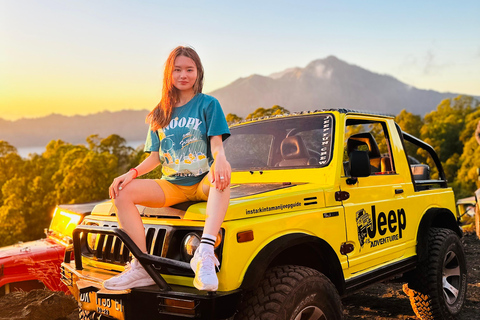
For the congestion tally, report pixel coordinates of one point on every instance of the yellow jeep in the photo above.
(323, 203)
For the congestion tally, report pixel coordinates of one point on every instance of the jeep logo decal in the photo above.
(367, 226)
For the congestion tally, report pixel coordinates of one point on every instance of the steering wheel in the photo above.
(292, 132)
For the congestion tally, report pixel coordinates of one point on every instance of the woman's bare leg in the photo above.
(143, 192)
(204, 261)
(217, 205)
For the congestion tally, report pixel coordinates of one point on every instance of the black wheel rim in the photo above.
(451, 277)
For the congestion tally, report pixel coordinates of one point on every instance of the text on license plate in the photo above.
(107, 306)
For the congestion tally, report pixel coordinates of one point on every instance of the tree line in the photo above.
(63, 174)
(66, 174)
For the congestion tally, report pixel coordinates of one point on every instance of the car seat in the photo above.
(295, 153)
(366, 139)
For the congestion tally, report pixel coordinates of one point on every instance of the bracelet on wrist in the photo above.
(136, 172)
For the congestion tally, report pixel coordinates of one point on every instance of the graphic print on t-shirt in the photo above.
(188, 157)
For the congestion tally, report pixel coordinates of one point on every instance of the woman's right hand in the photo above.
(119, 183)
(147, 165)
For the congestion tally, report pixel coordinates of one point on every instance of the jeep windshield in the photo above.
(300, 141)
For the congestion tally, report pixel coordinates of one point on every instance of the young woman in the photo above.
(186, 134)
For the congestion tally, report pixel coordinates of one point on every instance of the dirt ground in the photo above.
(386, 301)
(383, 301)
(38, 305)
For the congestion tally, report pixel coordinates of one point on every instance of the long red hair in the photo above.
(161, 115)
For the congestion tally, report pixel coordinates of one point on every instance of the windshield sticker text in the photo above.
(326, 138)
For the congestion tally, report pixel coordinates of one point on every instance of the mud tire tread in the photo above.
(276, 293)
(423, 292)
(420, 303)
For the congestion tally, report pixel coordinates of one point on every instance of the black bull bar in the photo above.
(148, 261)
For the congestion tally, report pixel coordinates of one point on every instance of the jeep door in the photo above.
(375, 210)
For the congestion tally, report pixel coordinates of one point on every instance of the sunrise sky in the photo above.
(81, 57)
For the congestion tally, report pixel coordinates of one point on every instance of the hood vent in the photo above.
(309, 201)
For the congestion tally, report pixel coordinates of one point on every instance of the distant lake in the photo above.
(24, 152)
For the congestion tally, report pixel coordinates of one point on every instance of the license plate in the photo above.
(102, 305)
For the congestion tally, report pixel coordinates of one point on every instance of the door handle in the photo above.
(398, 191)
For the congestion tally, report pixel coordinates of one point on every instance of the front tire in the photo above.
(438, 289)
(292, 293)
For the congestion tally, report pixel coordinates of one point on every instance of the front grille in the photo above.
(162, 241)
(66, 277)
(110, 249)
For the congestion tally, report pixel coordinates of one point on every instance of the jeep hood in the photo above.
(246, 200)
(260, 199)
(27, 252)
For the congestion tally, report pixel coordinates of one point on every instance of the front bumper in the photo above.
(159, 301)
(149, 302)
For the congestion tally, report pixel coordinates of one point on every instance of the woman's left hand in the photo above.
(220, 173)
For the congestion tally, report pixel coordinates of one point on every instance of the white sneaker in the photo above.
(133, 276)
(203, 264)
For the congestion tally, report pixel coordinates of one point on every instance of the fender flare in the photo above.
(434, 217)
(323, 253)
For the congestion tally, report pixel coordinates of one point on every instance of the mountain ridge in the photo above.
(324, 84)
(129, 124)
(328, 83)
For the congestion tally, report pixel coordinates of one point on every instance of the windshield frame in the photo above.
(328, 139)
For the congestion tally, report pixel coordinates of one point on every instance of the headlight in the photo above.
(470, 210)
(190, 243)
(219, 239)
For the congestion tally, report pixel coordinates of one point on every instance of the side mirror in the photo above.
(420, 171)
(359, 163)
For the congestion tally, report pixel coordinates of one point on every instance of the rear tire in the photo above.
(292, 293)
(438, 288)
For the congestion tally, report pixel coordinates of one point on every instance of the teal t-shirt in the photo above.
(184, 145)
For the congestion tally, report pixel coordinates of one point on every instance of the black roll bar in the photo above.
(419, 143)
